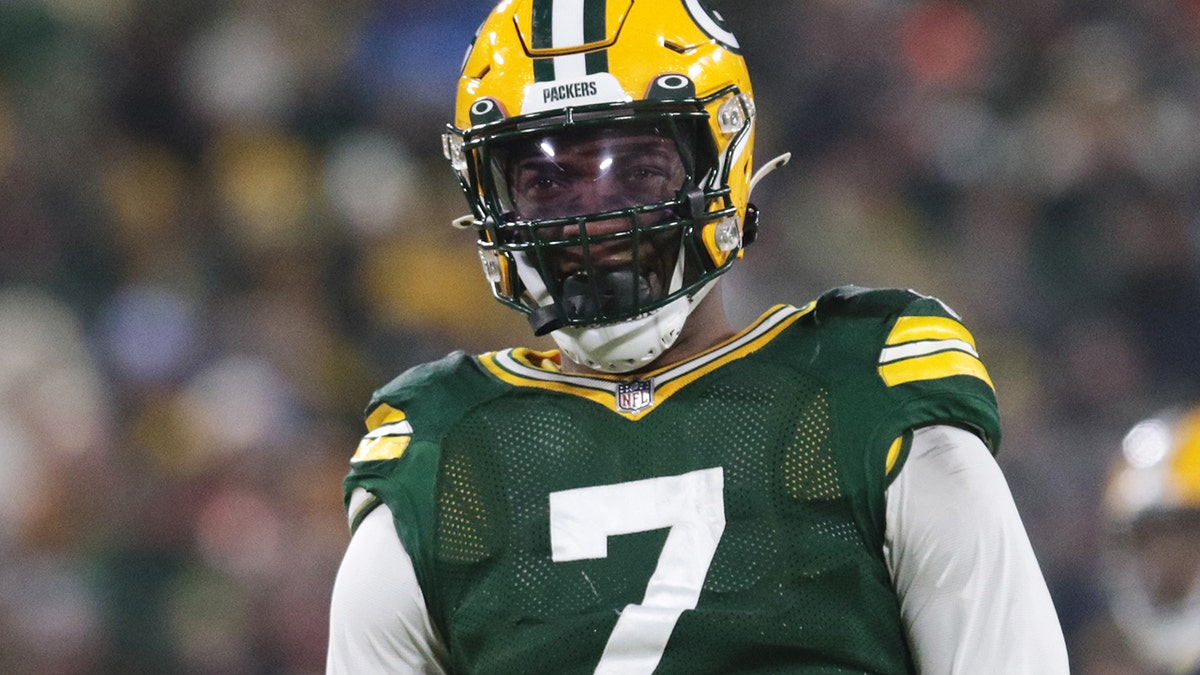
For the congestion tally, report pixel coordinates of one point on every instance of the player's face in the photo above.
(574, 174)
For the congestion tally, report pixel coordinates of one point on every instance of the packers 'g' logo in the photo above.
(712, 23)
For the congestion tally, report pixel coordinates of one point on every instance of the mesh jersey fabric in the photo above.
(799, 421)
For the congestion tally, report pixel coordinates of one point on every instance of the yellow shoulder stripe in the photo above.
(913, 328)
(388, 435)
(929, 348)
(384, 414)
(934, 366)
(375, 449)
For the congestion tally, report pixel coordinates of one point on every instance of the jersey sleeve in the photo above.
(394, 468)
(901, 361)
(396, 463)
(931, 366)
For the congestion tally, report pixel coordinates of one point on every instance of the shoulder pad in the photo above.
(858, 301)
(420, 378)
(419, 404)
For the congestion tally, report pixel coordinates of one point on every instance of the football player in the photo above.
(666, 492)
(1152, 542)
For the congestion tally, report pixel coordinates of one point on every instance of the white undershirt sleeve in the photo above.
(971, 592)
(378, 621)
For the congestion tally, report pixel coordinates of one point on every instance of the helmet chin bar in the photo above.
(584, 297)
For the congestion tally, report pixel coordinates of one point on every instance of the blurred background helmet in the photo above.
(613, 278)
(1152, 539)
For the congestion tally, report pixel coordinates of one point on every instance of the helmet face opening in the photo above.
(598, 215)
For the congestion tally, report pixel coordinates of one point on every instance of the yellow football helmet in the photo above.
(1152, 542)
(605, 148)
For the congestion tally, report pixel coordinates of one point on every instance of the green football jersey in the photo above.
(720, 515)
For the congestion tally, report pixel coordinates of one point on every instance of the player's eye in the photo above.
(536, 183)
(643, 173)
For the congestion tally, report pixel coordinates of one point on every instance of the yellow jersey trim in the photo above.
(384, 414)
(893, 455)
(517, 366)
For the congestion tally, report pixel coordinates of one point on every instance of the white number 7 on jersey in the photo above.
(692, 505)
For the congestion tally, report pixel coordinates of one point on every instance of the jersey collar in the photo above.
(634, 397)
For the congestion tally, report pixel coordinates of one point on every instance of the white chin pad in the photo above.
(625, 346)
(629, 345)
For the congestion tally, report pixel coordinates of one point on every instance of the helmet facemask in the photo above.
(597, 221)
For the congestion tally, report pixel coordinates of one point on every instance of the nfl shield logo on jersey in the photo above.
(633, 397)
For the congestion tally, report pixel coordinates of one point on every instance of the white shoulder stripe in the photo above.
(393, 429)
(923, 348)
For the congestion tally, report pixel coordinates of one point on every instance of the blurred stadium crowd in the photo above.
(222, 224)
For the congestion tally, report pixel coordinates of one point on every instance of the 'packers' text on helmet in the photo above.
(1152, 543)
(605, 148)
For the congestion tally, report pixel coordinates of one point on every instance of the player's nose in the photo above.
(601, 195)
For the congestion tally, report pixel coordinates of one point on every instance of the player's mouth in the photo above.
(610, 281)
